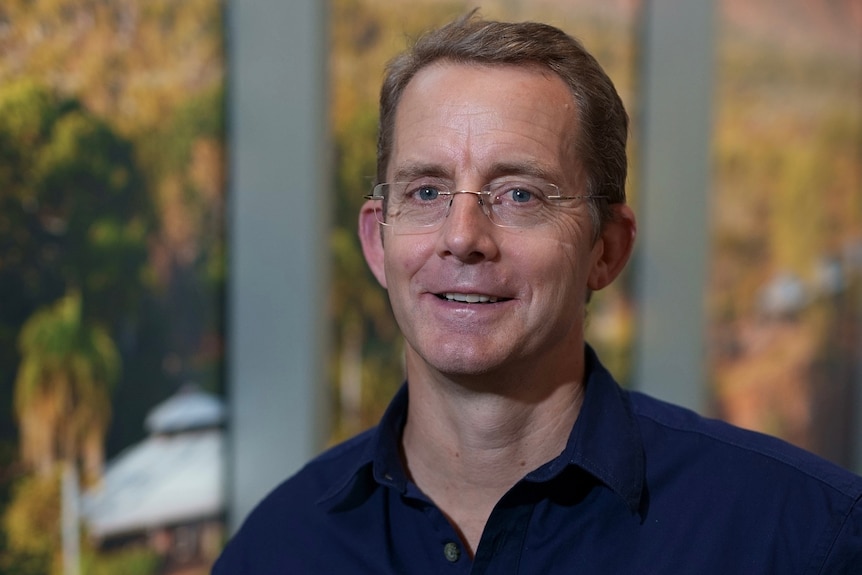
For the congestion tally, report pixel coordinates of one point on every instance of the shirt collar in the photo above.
(379, 462)
(604, 442)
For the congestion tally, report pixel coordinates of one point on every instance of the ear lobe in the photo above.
(615, 246)
(371, 238)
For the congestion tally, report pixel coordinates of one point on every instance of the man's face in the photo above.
(470, 126)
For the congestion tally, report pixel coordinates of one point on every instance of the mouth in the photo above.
(470, 297)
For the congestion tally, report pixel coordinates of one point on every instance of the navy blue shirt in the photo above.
(642, 487)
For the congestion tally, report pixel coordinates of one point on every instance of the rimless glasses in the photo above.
(512, 203)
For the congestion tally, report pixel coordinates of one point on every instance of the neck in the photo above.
(465, 445)
(476, 440)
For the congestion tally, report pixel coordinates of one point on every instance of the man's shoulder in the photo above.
(293, 513)
(301, 495)
(683, 437)
(759, 492)
(323, 474)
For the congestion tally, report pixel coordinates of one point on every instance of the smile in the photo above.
(469, 298)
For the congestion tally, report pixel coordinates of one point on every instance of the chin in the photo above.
(468, 369)
(458, 362)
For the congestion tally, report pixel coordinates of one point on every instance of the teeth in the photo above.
(470, 298)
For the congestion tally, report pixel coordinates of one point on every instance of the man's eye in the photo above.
(425, 193)
(520, 195)
(517, 194)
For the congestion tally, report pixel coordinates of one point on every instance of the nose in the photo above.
(468, 233)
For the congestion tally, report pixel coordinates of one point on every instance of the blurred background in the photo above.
(122, 182)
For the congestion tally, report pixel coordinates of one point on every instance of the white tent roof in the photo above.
(163, 480)
(189, 408)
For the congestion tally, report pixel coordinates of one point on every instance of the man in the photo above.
(510, 449)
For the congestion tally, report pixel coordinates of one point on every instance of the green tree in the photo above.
(74, 216)
(73, 209)
(62, 390)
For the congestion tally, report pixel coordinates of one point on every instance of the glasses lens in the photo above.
(521, 203)
(413, 204)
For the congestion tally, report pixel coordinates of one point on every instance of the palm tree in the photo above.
(62, 389)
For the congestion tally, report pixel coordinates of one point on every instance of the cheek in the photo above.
(569, 242)
(574, 227)
(563, 260)
(404, 258)
(541, 265)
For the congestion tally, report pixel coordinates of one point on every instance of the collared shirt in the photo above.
(642, 487)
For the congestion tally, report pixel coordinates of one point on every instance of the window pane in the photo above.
(785, 298)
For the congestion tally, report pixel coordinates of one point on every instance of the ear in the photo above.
(615, 245)
(371, 238)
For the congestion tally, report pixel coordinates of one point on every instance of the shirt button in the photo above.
(452, 552)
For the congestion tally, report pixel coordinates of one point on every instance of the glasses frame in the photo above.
(377, 195)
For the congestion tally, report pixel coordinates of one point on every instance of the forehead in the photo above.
(466, 115)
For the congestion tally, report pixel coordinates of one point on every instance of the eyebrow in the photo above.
(527, 168)
(412, 170)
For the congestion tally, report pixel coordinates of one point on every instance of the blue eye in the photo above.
(426, 193)
(520, 195)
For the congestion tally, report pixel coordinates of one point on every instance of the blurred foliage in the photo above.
(112, 183)
(73, 217)
(31, 525)
(89, 48)
(134, 561)
(111, 193)
(70, 181)
(63, 389)
(787, 206)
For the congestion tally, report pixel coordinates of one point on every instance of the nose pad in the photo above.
(480, 199)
